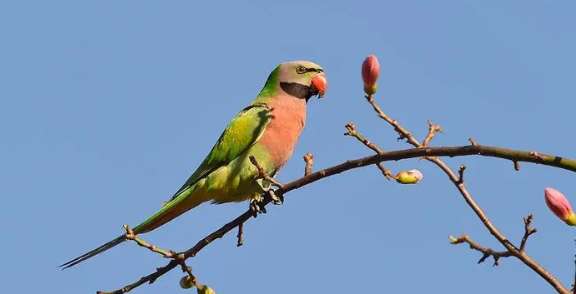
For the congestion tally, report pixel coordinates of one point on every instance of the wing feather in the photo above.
(240, 134)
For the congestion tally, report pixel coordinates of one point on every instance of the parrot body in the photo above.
(285, 119)
(268, 129)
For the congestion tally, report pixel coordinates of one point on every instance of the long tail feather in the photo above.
(185, 201)
(182, 203)
(94, 252)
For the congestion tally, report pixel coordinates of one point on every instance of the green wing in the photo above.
(240, 134)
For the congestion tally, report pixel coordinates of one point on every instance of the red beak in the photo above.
(319, 84)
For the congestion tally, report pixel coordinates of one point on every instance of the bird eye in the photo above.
(301, 69)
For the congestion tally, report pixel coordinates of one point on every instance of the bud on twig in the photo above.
(412, 176)
(560, 206)
(187, 282)
(370, 73)
(205, 290)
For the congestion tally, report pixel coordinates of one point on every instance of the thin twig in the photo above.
(461, 171)
(309, 160)
(185, 268)
(455, 179)
(352, 131)
(240, 235)
(402, 132)
(528, 230)
(141, 242)
(387, 173)
(433, 129)
(486, 252)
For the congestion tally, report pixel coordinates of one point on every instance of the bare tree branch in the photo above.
(429, 153)
(353, 132)
(489, 252)
(486, 252)
(487, 151)
(459, 183)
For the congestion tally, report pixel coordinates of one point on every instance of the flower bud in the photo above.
(205, 290)
(370, 72)
(187, 282)
(412, 176)
(560, 206)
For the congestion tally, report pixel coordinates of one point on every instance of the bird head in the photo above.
(301, 79)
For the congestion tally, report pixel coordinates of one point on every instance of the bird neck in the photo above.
(270, 89)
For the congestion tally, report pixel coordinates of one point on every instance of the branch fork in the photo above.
(458, 181)
(352, 131)
(496, 255)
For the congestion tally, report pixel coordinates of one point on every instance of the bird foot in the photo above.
(277, 199)
(266, 187)
(256, 205)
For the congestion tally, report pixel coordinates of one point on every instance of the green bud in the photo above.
(370, 89)
(186, 282)
(205, 290)
(412, 176)
(571, 219)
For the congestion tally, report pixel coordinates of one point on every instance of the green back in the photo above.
(240, 134)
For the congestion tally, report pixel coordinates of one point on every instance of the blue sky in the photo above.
(108, 106)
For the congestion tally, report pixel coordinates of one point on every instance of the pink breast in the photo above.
(282, 133)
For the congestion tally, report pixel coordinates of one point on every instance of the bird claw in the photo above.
(256, 206)
(277, 199)
(266, 187)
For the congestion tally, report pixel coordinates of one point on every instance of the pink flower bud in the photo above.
(559, 205)
(370, 72)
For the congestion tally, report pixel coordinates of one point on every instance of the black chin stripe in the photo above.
(298, 90)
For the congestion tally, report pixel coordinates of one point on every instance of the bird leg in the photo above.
(256, 205)
(277, 199)
(266, 187)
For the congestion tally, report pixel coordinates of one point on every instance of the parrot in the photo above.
(266, 130)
